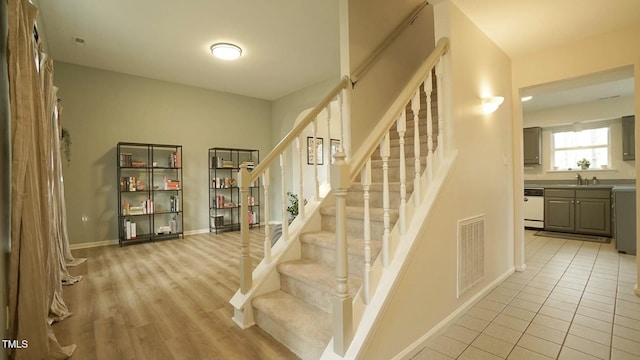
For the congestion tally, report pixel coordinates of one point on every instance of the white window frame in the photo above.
(577, 128)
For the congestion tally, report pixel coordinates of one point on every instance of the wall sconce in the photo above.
(491, 103)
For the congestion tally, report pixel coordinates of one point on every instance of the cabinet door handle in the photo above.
(625, 153)
(578, 202)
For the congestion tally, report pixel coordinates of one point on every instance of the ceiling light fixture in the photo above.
(526, 98)
(226, 51)
(491, 103)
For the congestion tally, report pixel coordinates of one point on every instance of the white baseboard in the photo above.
(419, 344)
(196, 232)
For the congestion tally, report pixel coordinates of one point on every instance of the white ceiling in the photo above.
(288, 44)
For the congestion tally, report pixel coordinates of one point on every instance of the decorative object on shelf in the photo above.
(584, 164)
(224, 194)
(66, 144)
(292, 209)
(314, 151)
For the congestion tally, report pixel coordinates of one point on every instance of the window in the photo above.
(569, 147)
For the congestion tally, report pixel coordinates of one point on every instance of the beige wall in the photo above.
(480, 183)
(102, 108)
(370, 22)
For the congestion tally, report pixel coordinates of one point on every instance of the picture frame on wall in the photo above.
(334, 145)
(314, 151)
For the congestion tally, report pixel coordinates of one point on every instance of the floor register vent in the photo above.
(470, 252)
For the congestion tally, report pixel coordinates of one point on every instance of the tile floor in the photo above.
(574, 301)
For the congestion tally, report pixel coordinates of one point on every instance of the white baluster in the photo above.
(342, 302)
(384, 154)
(428, 89)
(401, 125)
(327, 146)
(365, 179)
(285, 218)
(300, 148)
(245, 251)
(441, 132)
(415, 108)
(314, 127)
(267, 226)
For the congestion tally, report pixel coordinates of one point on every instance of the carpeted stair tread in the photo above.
(316, 275)
(377, 186)
(357, 212)
(298, 318)
(327, 240)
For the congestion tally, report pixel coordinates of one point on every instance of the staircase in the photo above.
(299, 313)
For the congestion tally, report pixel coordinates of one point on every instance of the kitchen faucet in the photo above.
(578, 179)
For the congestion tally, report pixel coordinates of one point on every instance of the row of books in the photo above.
(143, 208)
(174, 203)
(223, 183)
(170, 184)
(129, 230)
(221, 163)
(130, 183)
(220, 202)
(174, 160)
(126, 160)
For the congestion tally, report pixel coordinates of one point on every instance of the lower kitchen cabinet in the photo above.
(583, 211)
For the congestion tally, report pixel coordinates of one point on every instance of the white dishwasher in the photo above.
(533, 208)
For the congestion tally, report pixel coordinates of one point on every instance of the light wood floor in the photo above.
(164, 300)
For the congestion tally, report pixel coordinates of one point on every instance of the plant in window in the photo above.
(584, 163)
(293, 208)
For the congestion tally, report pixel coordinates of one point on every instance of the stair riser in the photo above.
(306, 293)
(355, 227)
(355, 198)
(304, 349)
(394, 151)
(393, 174)
(327, 257)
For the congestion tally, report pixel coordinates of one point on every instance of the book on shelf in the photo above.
(125, 159)
(174, 160)
(252, 217)
(135, 163)
(145, 207)
(129, 230)
(217, 221)
(250, 164)
(129, 183)
(170, 184)
(174, 203)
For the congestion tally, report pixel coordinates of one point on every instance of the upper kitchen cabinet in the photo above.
(628, 138)
(532, 145)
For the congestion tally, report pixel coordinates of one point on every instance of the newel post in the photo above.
(342, 309)
(245, 258)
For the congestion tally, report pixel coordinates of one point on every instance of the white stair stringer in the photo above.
(366, 315)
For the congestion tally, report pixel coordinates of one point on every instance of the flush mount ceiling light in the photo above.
(526, 98)
(226, 51)
(491, 103)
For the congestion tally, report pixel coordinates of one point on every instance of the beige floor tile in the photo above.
(564, 297)
(502, 332)
(590, 322)
(519, 313)
(628, 311)
(590, 334)
(472, 353)
(567, 353)
(594, 313)
(490, 305)
(626, 345)
(621, 355)
(539, 345)
(627, 322)
(535, 298)
(535, 291)
(461, 333)
(567, 291)
(599, 298)
(541, 285)
(547, 333)
(512, 285)
(472, 323)
(503, 299)
(597, 305)
(562, 305)
(519, 353)
(500, 290)
(493, 345)
(571, 284)
(551, 322)
(556, 313)
(631, 297)
(577, 343)
(481, 313)
(511, 322)
(625, 332)
(447, 346)
(429, 354)
(526, 304)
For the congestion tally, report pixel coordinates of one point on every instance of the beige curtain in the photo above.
(34, 272)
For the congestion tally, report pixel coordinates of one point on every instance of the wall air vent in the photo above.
(470, 253)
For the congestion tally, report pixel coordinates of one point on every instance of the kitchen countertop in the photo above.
(625, 185)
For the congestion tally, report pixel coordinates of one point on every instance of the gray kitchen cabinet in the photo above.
(583, 211)
(593, 212)
(624, 215)
(628, 138)
(532, 145)
(559, 210)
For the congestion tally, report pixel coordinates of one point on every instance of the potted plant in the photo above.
(292, 209)
(584, 163)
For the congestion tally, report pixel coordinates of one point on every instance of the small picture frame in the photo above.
(334, 147)
(314, 151)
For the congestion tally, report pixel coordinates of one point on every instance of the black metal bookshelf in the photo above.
(149, 192)
(224, 193)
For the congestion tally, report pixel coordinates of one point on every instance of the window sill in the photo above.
(584, 171)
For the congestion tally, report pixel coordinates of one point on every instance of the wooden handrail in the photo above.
(357, 74)
(297, 130)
